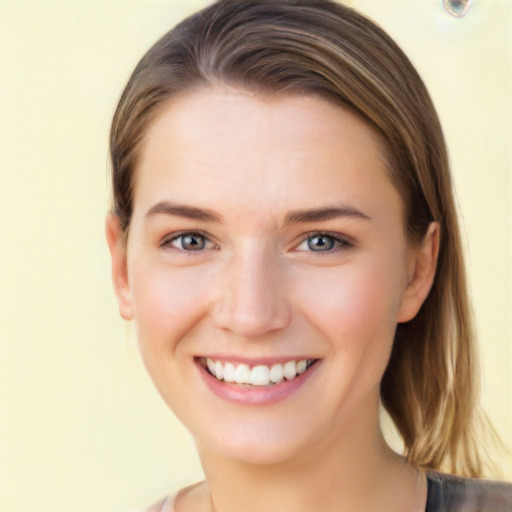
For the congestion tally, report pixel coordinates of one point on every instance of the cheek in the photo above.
(352, 310)
(354, 305)
(166, 302)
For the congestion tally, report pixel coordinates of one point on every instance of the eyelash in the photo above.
(339, 242)
(167, 242)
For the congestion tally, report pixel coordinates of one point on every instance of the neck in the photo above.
(351, 468)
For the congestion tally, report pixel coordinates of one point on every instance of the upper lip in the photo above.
(254, 361)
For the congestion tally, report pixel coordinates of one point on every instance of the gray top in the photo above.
(449, 493)
(446, 493)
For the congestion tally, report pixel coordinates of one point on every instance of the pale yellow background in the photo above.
(81, 428)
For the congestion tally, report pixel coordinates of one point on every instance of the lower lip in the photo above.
(256, 395)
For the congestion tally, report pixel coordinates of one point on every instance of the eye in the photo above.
(191, 242)
(323, 242)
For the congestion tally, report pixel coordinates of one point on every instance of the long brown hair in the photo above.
(320, 47)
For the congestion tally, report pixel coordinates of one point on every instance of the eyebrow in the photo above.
(182, 210)
(320, 214)
(292, 217)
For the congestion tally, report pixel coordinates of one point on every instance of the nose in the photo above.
(250, 299)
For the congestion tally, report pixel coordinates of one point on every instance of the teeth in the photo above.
(243, 374)
(260, 375)
(219, 370)
(229, 372)
(290, 370)
(276, 373)
(211, 366)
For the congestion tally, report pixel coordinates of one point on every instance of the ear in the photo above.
(422, 270)
(117, 245)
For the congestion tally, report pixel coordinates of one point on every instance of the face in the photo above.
(266, 268)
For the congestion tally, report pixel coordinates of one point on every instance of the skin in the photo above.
(260, 287)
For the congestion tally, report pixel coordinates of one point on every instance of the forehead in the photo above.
(249, 115)
(210, 143)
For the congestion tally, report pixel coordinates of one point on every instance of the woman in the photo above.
(284, 236)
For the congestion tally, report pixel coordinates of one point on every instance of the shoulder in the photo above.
(449, 493)
(192, 497)
(164, 505)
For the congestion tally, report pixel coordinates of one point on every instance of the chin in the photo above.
(263, 447)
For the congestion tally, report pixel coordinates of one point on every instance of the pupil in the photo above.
(322, 243)
(193, 242)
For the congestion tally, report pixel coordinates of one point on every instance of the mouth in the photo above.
(257, 375)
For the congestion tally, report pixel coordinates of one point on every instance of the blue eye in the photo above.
(190, 242)
(322, 242)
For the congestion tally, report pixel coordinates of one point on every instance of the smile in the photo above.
(255, 383)
(257, 375)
